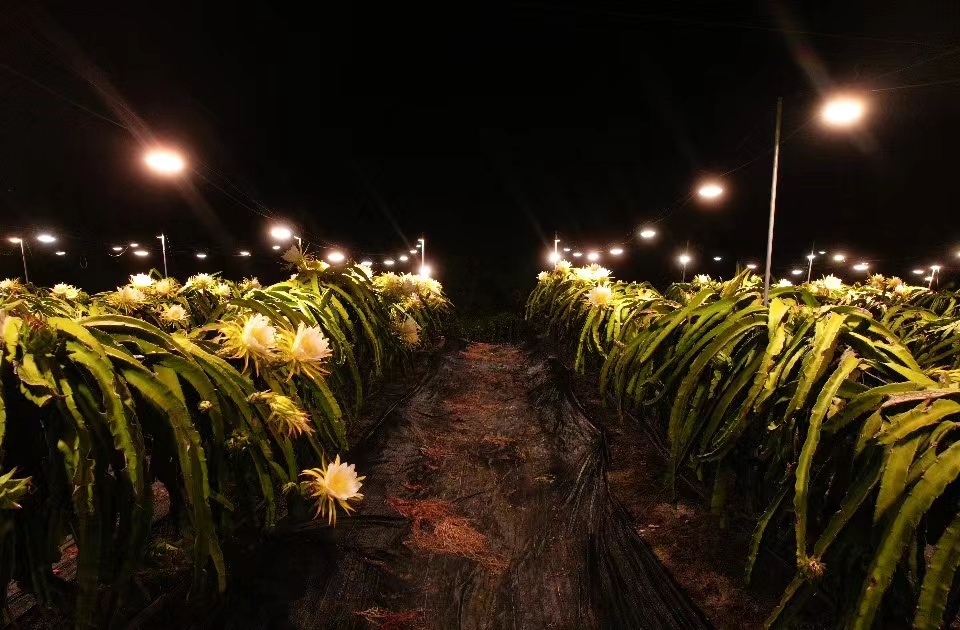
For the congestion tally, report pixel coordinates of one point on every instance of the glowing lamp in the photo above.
(842, 111)
(165, 162)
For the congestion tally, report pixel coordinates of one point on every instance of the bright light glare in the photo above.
(425, 271)
(388, 262)
(751, 266)
(593, 256)
(566, 249)
(404, 258)
(117, 248)
(839, 257)
(684, 259)
(577, 254)
(61, 253)
(929, 278)
(553, 257)
(648, 233)
(811, 256)
(796, 272)
(717, 258)
(46, 238)
(934, 267)
(710, 191)
(919, 272)
(861, 267)
(244, 252)
(280, 233)
(275, 247)
(134, 244)
(165, 162)
(413, 251)
(336, 257)
(842, 111)
(14, 239)
(201, 255)
(366, 263)
(141, 253)
(821, 253)
(616, 251)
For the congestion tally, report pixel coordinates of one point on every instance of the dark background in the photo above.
(485, 128)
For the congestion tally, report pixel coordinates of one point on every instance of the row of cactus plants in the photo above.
(224, 392)
(833, 413)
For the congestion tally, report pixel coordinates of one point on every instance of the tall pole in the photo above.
(163, 248)
(773, 202)
(556, 244)
(810, 258)
(683, 274)
(423, 252)
(23, 257)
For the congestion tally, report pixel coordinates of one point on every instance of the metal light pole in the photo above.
(810, 258)
(23, 257)
(773, 202)
(163, 248)
(423, 252)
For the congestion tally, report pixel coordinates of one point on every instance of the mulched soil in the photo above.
(485, 507)
(704, 555)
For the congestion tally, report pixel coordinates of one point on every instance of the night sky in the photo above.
(485, 128)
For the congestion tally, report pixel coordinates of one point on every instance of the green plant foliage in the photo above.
(834, 411)
(223, 392)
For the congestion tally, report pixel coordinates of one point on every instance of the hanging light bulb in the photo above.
(616, 251)
(336, 257)
(389, 262)
(647, 233)
(593, 256)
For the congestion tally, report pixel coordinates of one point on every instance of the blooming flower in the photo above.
(285, 415)
(335, 483)
(832, 283)
(127, 298)
(600, 297)
(592, 273)
(543, 276)
(900, 289)
(141, 280)
(702, 279)
(66, 291)
(258, 335)
(223, 290)
(309, 345)
(562, 266)
(784, 283)
(410, 331)
(174, 314)
(389, 284)
(9, 285)
(597, 272)
(293, 255)
(249, 284)
(165, 287)
(201, 281)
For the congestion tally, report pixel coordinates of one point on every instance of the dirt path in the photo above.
(486, 507)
